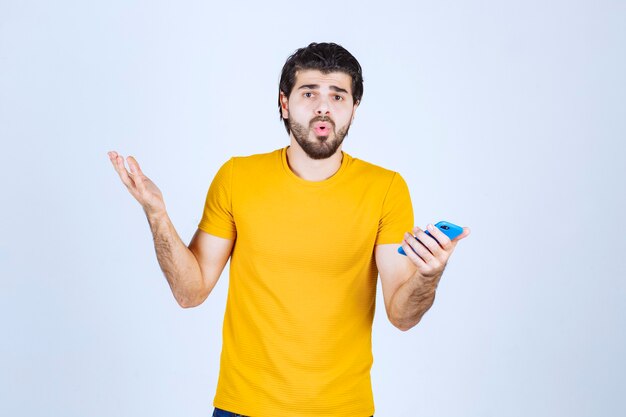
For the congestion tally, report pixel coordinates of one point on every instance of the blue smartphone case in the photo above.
(448, 229)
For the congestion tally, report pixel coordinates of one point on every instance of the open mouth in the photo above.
(322, 128)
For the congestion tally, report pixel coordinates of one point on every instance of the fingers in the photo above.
(118, 163)
(134, 166)
(466, 233)
(430, 251)
(426, 263)
(425, 246)
(113, 157)
(443, 241)
(412, 251)
(421, 244)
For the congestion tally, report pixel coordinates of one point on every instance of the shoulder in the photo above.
(255, 161)
(258, 157)
(371, 171)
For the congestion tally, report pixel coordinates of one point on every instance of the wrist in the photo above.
(423, 284)
(156, 216)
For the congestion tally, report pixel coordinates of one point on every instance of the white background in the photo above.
(505, 116)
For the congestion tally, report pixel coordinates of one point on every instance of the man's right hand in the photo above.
(140, 186)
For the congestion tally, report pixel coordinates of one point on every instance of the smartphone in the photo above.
(448, 229)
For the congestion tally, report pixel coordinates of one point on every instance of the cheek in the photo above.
(299, 112)
(343, 116)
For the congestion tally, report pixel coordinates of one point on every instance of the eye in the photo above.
(338, 98)
(308, 94)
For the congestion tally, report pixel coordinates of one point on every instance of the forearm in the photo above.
(178, 263)
(411, 301)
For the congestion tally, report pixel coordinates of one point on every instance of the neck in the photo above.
(311, 169)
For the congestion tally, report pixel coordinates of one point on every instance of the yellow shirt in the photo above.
(301, 297)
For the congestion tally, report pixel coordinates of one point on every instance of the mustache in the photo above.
(322, 119)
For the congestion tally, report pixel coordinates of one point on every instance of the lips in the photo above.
(322, 128)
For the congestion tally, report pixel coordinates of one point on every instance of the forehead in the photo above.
(317, 77)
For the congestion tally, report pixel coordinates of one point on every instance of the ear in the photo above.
(356, 105)
(284, 105)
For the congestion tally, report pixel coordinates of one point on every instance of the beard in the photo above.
(322, 147)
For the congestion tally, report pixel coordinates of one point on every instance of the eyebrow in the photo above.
(316, 87)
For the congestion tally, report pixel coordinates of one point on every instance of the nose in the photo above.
(323, 108)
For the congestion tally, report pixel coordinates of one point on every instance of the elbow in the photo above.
(189, 302)
(191, 297)
(404, 325)
(403, 328)
(186, 304)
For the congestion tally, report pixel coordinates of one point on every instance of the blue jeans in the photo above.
(218, 412)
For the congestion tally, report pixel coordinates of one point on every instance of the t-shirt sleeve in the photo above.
(397, 213)
(217, 217)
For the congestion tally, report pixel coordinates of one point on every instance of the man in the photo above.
(308, 228)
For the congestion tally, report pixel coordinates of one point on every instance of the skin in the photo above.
(315, 94)
(409, 282)
(191, 271)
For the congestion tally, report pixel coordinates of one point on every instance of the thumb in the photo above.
(134, 166)
(466, 233)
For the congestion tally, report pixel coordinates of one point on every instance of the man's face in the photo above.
(319, 111)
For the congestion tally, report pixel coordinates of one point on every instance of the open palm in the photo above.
(141, 187)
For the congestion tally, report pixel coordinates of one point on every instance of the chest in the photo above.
(334, 225)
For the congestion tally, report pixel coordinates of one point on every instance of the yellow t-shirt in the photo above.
(301, 297)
